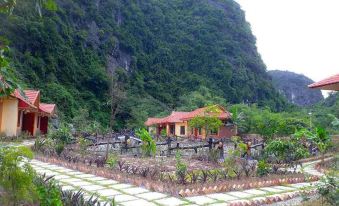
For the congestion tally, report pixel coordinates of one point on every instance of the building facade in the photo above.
(21, 113)
(177, 124)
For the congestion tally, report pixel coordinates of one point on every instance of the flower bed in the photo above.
(176, 189)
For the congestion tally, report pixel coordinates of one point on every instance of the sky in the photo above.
(296, 35)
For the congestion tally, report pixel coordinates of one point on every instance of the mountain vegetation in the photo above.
(294, 87)
(164, 55)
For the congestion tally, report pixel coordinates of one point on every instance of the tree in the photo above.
(16, 175)
(335, 122)
(117, 93)
(209, 120)
(288, 150)
(8, 82)
(320, 137)
(237, 117)
(7, 6)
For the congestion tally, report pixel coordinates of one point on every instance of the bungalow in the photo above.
(177, 124)
(24, 113)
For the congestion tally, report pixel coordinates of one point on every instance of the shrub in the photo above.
(329, 190)
(49, 192)
(59, 148)
(112, 160)
(148, 144)
(83, 144)
(63, 134)
(16, 175)
(213, 155)
(263, 168)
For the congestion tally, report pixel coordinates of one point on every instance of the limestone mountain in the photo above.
(294, 87)
(166, 55)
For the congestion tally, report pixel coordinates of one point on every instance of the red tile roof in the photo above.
(24, 102)
(32, 96)
(47, 108)
(184, 116)
(202, 111)
(30, 99)
(331, 83)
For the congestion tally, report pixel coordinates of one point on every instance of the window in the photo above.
(182, 130)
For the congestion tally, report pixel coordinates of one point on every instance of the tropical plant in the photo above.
(319, 136)
(148, 144)
(288, 150)
(49, 192)
(181, 168)
(112, 160)
(16, 175)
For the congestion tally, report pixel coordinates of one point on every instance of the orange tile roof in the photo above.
(183, 116)
(331, 83)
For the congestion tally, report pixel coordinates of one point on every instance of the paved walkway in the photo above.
(130, 195)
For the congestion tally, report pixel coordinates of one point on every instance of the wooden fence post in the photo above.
(210, 142)
(169, 146)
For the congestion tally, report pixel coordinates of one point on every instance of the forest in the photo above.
(164, 53)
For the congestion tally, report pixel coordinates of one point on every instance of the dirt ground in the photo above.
(168, 163)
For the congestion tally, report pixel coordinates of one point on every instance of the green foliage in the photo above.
(177, 54)
(263, 168)
(213, 155)
(209, 120)
(83, 144)
(181, 168)
(251, 119)
(287, 150)
(148, 144)
(59, 148)
(16, 176)
(48, 191)
(62, 135)
(8, 81)
(319, 136)
(240, 146)
(328, 189)
(112, 160)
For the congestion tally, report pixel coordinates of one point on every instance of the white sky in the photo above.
(296, 35)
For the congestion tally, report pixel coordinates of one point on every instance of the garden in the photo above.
(177, 166)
